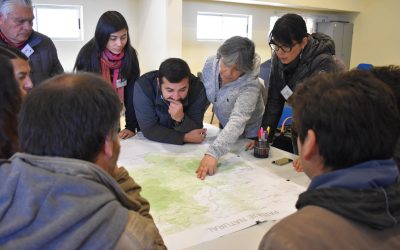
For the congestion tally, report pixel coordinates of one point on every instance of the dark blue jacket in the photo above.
(152, 111)
(367, 193)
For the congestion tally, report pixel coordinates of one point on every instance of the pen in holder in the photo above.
(261, 149)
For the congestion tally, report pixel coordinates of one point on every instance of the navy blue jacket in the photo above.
(367, 193)
(152, 114)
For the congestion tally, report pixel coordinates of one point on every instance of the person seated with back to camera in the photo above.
(11, 95)
(170, 104)
(66, 191)
(348, 125)
(390, 75)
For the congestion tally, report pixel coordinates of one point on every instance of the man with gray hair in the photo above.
(16, 20)
(65, 191)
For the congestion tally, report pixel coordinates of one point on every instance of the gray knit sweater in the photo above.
(238, 105)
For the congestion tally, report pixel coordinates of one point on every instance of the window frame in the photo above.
(77, 8)
(249, 19)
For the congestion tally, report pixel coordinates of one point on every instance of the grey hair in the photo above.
(7, 6)
(238, 51)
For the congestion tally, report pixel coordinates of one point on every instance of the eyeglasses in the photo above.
(285, 49)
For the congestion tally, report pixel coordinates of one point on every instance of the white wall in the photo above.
(376, 36)
(167, 28)
(151, 44)
(92, 10)
(174, 28)
(195, 52)
(324, 5)
(155, 28)
(159, 32)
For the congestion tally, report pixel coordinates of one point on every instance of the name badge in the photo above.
(121, 83)
(286, 92)
(27, 50)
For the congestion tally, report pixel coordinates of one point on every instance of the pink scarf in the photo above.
(7, 41)
(108, 62)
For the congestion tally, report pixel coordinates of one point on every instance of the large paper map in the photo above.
(189, 211)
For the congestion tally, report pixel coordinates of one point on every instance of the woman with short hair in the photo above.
(296, 56)
(232, 86)
(111, 54)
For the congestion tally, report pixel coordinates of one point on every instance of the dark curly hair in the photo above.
(69, 115)
(354, 116)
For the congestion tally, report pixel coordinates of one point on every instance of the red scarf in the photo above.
(7, 41)
(108, 62)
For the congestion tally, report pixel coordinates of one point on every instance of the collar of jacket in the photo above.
(34, 39)
(242, 80)
(377, 208)
(369, 174)
(76, 167)
(292, 66)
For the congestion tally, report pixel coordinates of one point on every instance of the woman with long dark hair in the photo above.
(21, 66)
(10, 99)
(111, 54)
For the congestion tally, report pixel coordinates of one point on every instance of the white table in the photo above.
(248, 238)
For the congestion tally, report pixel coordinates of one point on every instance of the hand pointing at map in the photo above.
(208, 165)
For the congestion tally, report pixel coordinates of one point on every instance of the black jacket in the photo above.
(397, 153)
(316, 57)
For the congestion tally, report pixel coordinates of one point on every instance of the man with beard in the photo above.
(170, 104)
